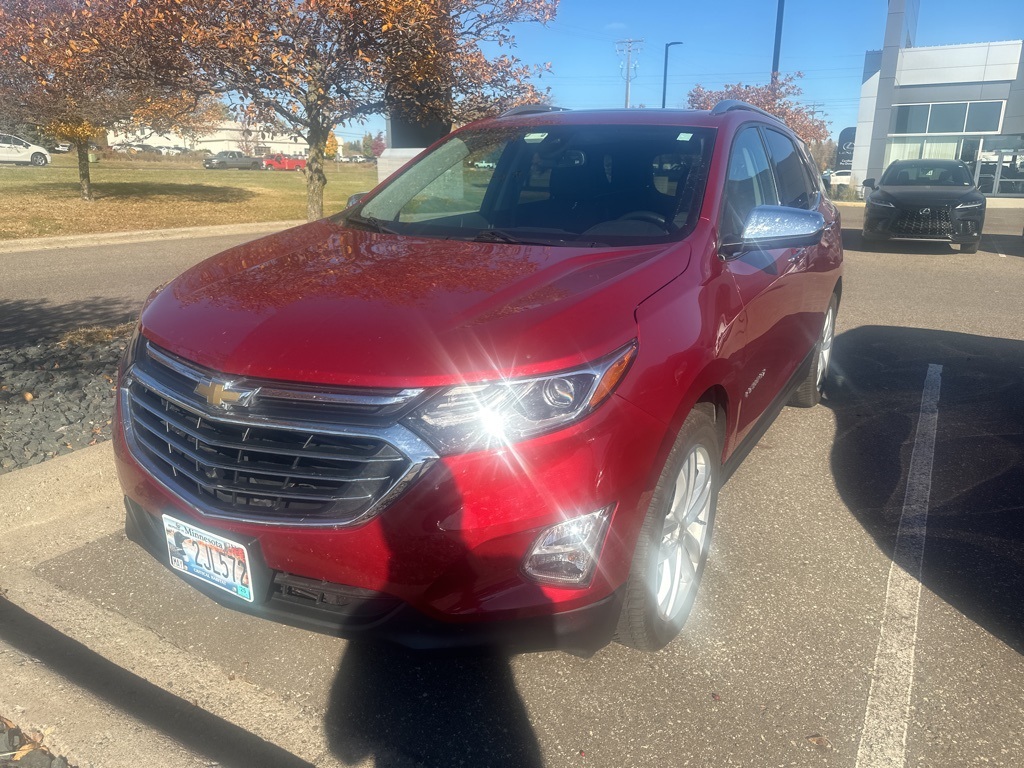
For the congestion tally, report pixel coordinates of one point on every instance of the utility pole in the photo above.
(629, 71)
(778, 42)
(813, 107)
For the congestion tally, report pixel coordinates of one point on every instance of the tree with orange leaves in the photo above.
(776, 98)
(317, 64)
(74, 67)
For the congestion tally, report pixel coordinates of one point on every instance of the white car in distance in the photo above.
(14, 149)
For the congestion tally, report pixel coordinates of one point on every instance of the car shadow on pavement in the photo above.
(458, 705)
(31, 321)
(1005, 245)
(203, 733)
(974, 552)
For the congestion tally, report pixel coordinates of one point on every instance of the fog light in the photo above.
(566, 553)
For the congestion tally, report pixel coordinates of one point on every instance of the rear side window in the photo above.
(749, 182)
(796, 190)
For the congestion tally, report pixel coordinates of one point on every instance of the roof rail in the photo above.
(730, 105)
(531, 109)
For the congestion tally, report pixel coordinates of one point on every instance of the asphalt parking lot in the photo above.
(863, 604)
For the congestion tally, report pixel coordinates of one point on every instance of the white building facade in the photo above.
(228, 136)
(961, 102)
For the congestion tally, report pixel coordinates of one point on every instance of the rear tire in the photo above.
(969, 247)
(674, 540)
(808, 394)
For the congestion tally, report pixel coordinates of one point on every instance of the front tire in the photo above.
(969, 247)
(38, 159)
(809, 393)
(673, 545)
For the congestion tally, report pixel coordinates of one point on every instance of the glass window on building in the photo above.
(983, 116)
(958, 117)
(911, 118)
(947, 118)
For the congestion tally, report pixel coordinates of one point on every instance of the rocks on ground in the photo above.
(55, 398)
(25, 750)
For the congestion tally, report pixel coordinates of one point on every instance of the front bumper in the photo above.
(442, 565)
(939, 223)
(352, 613)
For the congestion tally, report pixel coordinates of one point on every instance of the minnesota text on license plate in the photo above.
(209, 557)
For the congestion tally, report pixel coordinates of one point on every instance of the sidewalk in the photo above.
(142, 236)
(104, 688)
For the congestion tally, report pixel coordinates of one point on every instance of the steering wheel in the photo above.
(649, 216)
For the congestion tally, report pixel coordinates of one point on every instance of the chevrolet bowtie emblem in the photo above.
(218, 396)
(925, 211)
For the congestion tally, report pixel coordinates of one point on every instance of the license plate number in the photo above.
(209, 557)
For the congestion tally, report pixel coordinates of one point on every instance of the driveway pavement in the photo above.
(863, 604)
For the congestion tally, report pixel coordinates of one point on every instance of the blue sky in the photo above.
(728, 41)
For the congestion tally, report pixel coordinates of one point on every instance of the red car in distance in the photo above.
(488, 403)
(281, 162)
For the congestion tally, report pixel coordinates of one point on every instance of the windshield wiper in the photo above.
(370, 222)
(501, 236)
(496, 236)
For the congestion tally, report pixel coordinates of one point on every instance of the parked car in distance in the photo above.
(839, 178)
(233, 159)
(929, 200)
(14, 149)
(61, 147)
(279, 162)
(454, 415)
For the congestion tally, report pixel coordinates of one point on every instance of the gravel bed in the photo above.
(55, 398)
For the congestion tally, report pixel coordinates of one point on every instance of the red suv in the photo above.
(493, 400)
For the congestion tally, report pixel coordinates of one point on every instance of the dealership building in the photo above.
(952, 101)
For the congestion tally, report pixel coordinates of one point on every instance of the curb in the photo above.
(142, 236)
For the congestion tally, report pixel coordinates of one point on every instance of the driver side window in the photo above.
(749, 183)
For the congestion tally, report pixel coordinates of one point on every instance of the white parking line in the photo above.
(883, 741)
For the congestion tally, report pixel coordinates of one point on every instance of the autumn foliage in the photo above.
(317, 64)
(74, 67)
(776, 98)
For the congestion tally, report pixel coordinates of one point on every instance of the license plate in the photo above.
(209, 557)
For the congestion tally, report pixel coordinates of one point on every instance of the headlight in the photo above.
(881, 203)
(972, 204)
(479, 416)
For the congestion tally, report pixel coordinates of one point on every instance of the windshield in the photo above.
(923, 173)
(560, 184)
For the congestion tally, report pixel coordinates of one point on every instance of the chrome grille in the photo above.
(914, 223)
(233, 462)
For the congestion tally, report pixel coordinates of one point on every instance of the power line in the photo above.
(629, 71)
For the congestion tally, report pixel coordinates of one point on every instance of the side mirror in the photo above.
(869, 183)
(353, 199)
(775, 226)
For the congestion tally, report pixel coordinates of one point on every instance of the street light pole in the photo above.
(664, 77)
(778, 41)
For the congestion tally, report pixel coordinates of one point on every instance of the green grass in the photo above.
(159, 194)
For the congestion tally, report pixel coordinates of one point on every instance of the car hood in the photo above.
(325, 304)
(927, 195)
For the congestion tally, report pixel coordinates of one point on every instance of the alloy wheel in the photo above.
(685, 534)
(825, 347)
